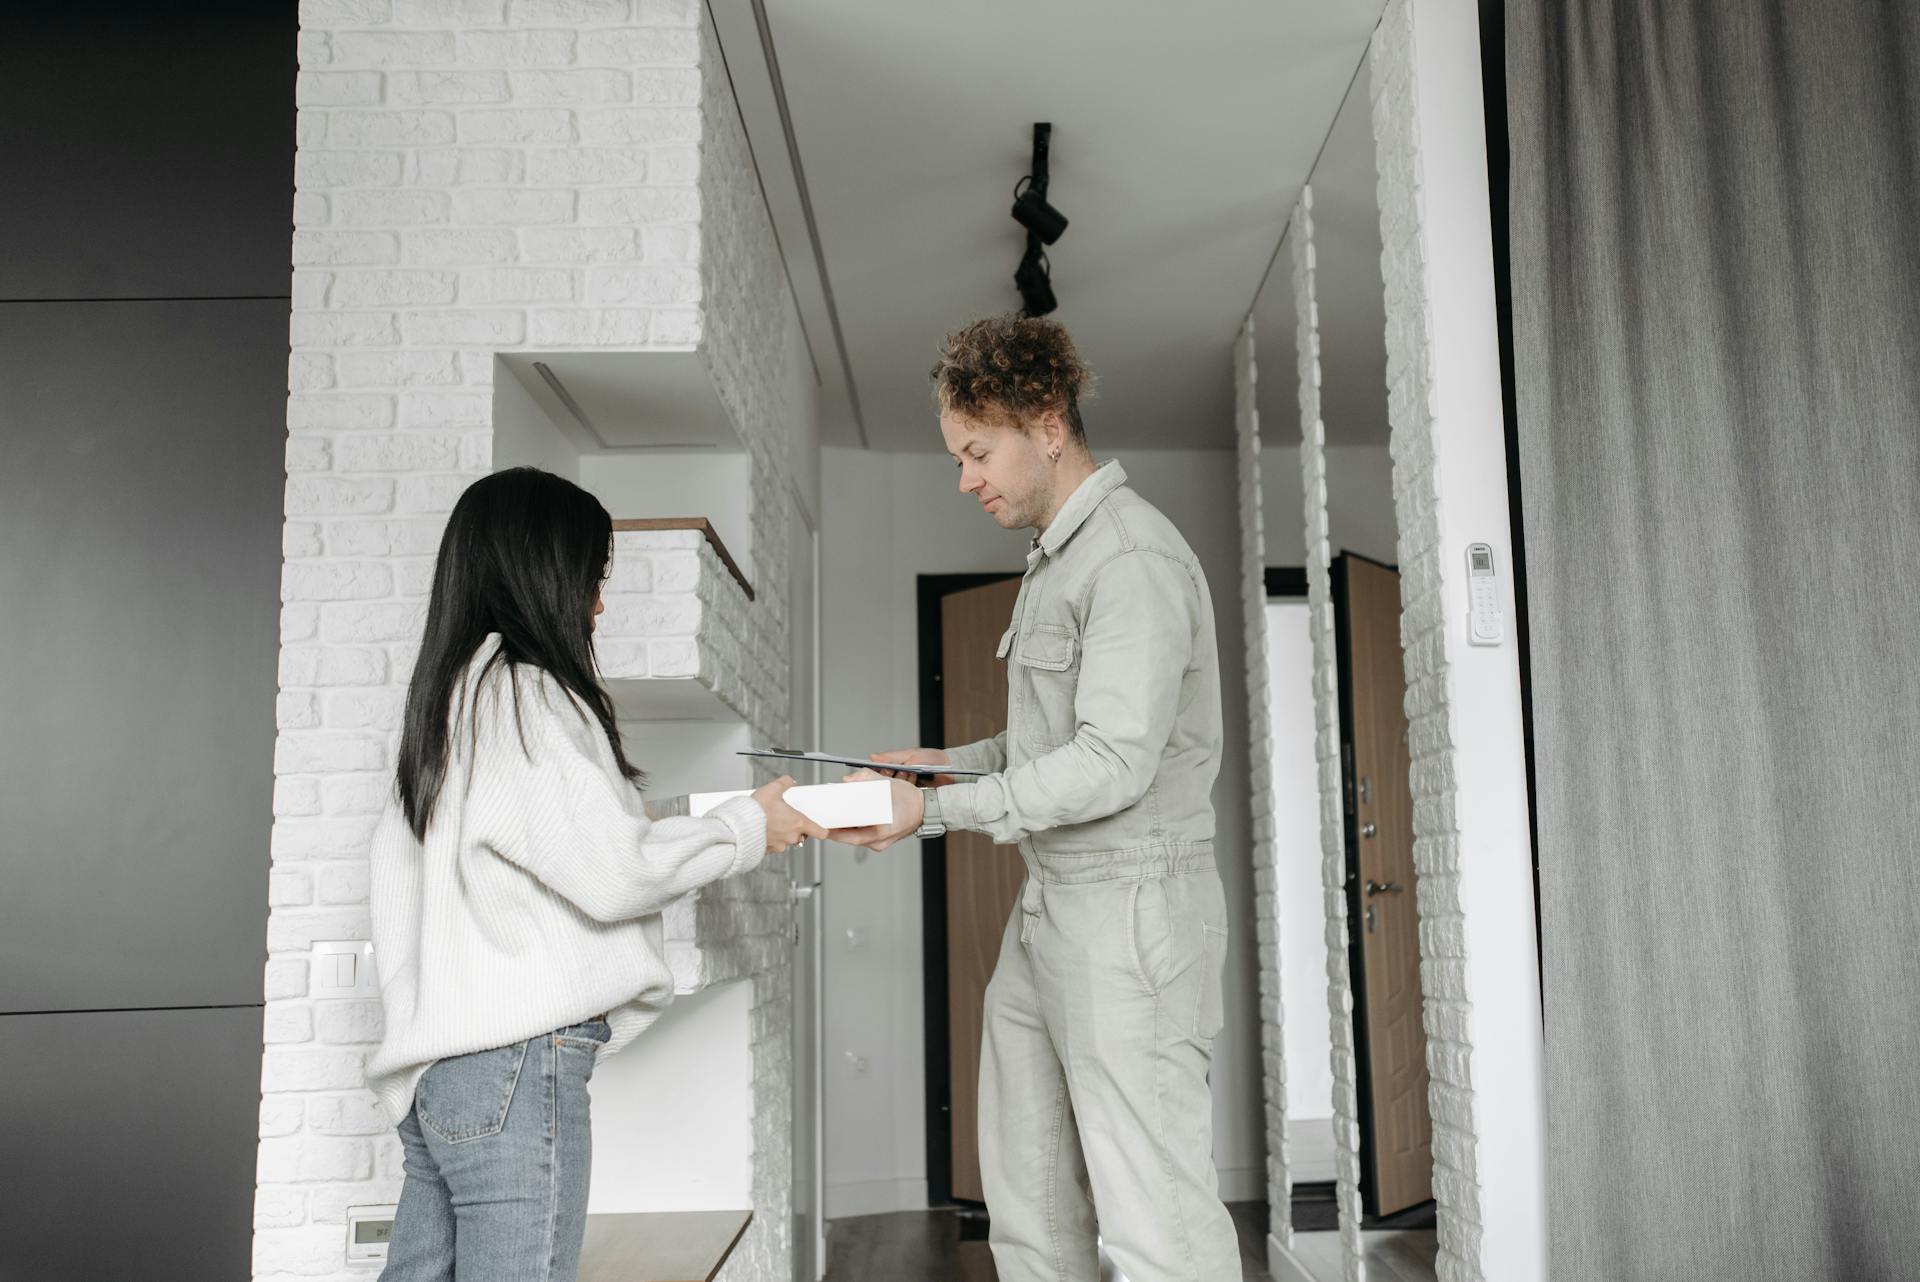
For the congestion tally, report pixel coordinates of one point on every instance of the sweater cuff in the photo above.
(749, 824)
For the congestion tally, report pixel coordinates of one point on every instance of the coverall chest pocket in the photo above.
(1049, 656)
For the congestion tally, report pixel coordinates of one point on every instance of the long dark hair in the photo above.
(523, 555)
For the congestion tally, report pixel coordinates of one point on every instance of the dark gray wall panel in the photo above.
(141, 475)
(127, 1145)
(146, 150)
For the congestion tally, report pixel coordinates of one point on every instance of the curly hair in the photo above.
(1012, 367)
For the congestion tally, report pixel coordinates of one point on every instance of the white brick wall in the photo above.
(1266, 911)
(745, 303)
(674, 612)
(1410, 396)
(1476, 942)
(1326, 709)
(474, 176)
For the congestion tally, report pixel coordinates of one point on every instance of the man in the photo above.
(1100, 1018)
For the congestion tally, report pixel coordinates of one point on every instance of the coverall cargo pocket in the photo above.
(1150, 935)
(1209, 1009)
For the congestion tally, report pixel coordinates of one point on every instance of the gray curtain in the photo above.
(1715, 213)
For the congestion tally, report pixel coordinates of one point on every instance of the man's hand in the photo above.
(909, 807)
(915, 757)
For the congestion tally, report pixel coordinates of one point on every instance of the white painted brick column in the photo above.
(675, 612)
(743, 289)
(1266, 910)
(1326, 711)
(472, 177)
(1471, 848)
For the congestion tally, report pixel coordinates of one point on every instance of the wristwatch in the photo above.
(931, 824)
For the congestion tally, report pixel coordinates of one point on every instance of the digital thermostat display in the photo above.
(1484, 623)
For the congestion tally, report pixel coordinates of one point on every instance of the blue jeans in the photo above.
(499, 1146)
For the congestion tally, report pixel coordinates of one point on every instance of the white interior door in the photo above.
(809, 1101)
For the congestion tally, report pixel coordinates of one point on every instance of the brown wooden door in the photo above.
(1396, 1132)
(983, 880)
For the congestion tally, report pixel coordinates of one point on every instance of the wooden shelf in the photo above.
(699, 523)
(660, 1246)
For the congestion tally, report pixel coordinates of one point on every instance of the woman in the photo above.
(517, 886)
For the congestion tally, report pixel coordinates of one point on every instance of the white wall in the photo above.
(1359, 502)
(716, 485)
(889, 519)
(710, 484)
(673, 1126)
(1303, 944)
(803, 428)
(523, 435)
(680, 757)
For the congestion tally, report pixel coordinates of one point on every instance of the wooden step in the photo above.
(660, 1246)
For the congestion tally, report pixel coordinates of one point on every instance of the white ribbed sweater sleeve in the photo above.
(545, 795)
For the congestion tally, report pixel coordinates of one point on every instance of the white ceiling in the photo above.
(657, 400)
(1181, 139)
(1347, 290)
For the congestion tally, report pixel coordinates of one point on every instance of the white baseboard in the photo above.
(875, 1197)
(1310, 1149)
(1282, 1264)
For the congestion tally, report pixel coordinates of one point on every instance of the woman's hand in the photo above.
(785, 825)
(909, 808)
(915, 757)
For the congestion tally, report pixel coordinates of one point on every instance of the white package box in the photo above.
(831, 805)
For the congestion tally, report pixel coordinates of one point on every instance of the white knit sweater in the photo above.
(535, 901)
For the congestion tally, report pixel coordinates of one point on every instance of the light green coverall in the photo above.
(1102, 1011)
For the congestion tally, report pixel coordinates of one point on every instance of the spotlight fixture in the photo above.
(1044, 225)
(1034, 282)
(1031, 210)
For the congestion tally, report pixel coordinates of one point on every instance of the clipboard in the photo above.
(827, 759)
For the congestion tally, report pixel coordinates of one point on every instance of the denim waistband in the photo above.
(1139, 864)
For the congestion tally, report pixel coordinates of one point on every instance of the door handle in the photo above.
(796, 896)
(1383, 887)
(1368, 830)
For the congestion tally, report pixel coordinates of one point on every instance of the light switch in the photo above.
(342, 970)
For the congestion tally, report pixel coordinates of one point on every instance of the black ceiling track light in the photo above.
(1043, 222)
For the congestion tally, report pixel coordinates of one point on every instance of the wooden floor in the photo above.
(935, 1246)
(932, 1246)
(1393, 1255)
